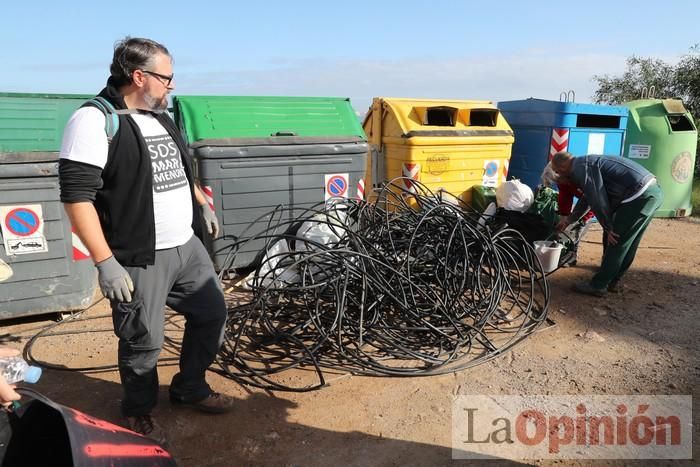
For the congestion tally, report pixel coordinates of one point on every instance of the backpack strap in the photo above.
(111, 114)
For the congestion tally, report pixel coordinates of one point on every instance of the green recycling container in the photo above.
(46, 267)
(254, 153)
(662, 137)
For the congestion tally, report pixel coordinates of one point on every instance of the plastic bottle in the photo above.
(15, 370)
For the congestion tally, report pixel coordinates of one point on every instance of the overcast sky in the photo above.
(358, 49)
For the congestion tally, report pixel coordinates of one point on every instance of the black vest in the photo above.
(125, 201)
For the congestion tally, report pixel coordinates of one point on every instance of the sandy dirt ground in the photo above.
(644, 341)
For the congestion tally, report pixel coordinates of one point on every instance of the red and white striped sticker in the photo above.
(361, 188)
(560, 141)
(412, 172)
(80, 251)
(208, 195)
(506, 163)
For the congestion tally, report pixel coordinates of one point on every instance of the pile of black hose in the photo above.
(407, 285)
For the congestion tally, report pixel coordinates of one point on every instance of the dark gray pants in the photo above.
(185, 280)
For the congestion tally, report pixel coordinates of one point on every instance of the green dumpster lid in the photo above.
(35, 122)
(227, 117)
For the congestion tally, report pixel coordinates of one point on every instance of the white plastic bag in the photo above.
(487, 214)
(514, 195)
(322, 229)
(270, 272)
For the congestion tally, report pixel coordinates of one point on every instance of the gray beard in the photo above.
(155, 105)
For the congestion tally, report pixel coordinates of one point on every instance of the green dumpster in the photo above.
(253, 154)
(44, 268)
(662, 137)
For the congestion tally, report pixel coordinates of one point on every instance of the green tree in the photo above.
(641, 73)
(680, 80)
(687, 81)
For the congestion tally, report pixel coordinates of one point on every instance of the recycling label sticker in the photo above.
(639, 151)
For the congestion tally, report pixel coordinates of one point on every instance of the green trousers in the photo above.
(629, 222)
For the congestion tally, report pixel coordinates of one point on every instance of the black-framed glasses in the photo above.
(165, 79)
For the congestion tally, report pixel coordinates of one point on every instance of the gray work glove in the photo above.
(114, 281)
(210, 219)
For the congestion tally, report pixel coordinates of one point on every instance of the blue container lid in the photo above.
(544, 105)
(32, 374)
(545, 113)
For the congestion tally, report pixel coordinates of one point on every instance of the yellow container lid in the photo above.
(435, 122)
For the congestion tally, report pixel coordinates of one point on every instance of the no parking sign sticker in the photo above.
(23, 229)
(336, 186)
(490, 177)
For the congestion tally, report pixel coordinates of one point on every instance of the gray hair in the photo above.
(131, 54)
(561, 158)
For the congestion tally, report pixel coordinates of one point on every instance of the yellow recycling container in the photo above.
(448, 145)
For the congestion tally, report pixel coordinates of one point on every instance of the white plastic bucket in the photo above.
(548, 253)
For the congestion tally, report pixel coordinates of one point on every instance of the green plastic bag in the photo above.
(546, 205)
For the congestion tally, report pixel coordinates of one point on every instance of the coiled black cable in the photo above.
(407, 285)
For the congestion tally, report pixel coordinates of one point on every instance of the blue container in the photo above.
(543, 128)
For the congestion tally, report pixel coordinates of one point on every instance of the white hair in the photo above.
(549, 176)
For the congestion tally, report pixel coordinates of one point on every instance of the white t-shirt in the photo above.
(85, 140)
